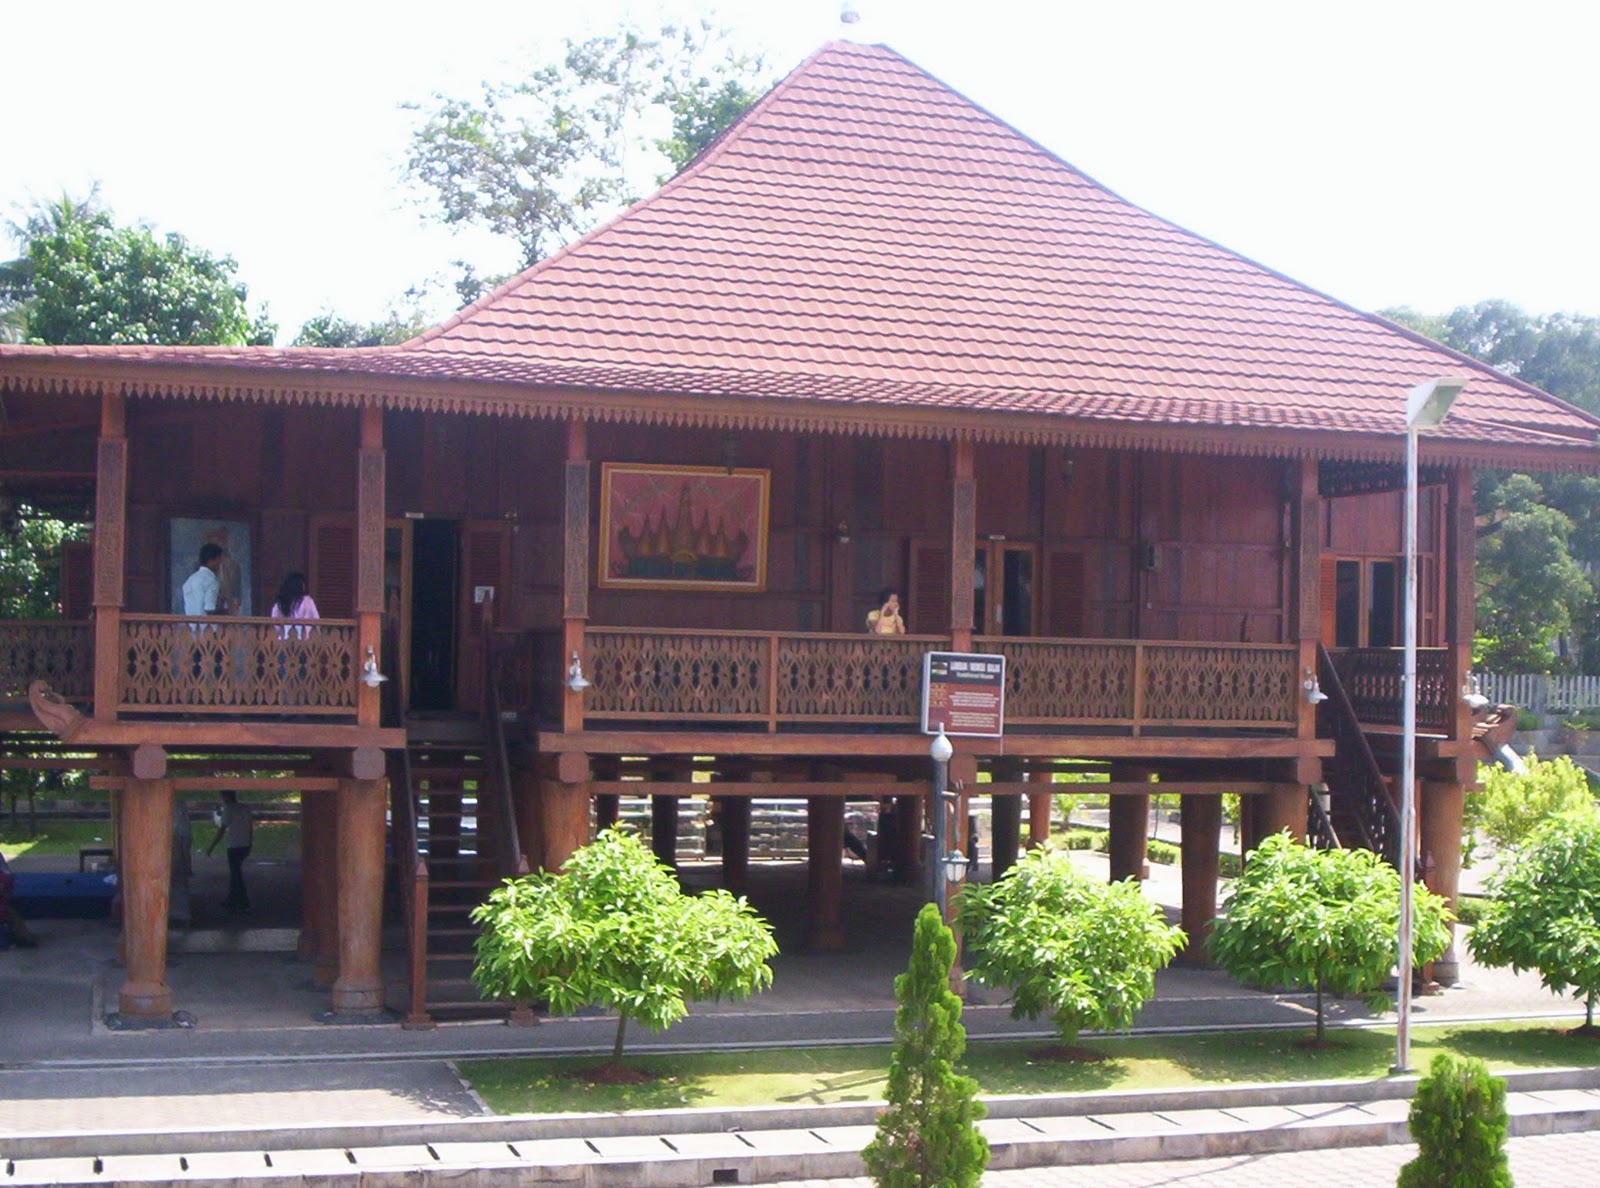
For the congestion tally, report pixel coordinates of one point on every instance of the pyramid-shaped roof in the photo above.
(866, 241)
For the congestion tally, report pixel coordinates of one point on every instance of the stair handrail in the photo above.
(412, 876)
(1376, 814)
(508, 847)
(1320, 832)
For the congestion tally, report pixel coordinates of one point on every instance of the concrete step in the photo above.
(762, 1145)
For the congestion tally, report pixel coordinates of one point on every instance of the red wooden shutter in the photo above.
(1328, 595)
(929, 594)
(77, 579)
(332, 571)
(1064, 593)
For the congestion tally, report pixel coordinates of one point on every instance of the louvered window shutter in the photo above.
(1328, 596)
(77, 579)
(930, 588)
(332, 572)
(1064, 594)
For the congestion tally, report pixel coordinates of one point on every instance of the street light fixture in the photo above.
(940, 868)
(1427, 405)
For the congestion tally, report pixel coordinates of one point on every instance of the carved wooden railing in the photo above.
(60, 651)
(1140, 684)
(1372, 677)
(1359, 791)
(239, 666)
(777, 678)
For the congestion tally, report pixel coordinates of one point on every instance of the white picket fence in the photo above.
(1540, 692)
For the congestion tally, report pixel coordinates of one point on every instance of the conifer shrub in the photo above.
(1458, 1119)
(928, 1135)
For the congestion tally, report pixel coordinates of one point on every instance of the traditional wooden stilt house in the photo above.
(872, 337)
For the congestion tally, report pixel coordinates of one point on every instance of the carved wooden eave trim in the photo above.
(136, 379)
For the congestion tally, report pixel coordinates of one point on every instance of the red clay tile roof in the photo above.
(866, 236)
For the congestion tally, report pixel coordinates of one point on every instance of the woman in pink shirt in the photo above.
(293, 602)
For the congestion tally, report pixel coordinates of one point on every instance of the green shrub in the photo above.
(1229, 866)
(928, 1134)
(1085, 839)
(1528, 720)
(1469, 908)
(1458, 1118)
(1163, 852)
(1512, 806)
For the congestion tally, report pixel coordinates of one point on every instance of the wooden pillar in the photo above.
(825, 872)
(1305, 503)
(359, 987)
(664, 829)
(371, 507)
(1279, 812)
(1005, 830)
(146, 864)
(574, 564)
(110, 536)
(1130, 826)
(734, 813)
(908, 839)
(313, 846)
(1460, 546)
(1201, 841)
(1442, 808)
(319, 826)
(963, 542)
(563, 821)
(1041, 808)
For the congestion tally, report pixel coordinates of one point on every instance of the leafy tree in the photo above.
(1531, 589)
(84, 279)
(30, 564)
(1459, 1120)
(1543, 910)
(330, 330)
(613, 929)
(1512, 805)
(1084, 951)
(928, 1135)
(1323, 919)
(540, 160)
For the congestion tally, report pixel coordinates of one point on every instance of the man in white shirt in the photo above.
(200, 590)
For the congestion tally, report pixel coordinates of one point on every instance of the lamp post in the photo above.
(940, 751)
(1427, 405)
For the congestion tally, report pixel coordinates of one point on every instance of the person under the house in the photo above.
(887, 620)
(234, 822)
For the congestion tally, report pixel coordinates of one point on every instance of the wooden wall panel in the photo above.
(913, 477)
(1007, 480)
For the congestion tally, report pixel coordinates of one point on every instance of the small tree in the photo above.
(1322, 919)
(1458, 1118)
(613, 929)
(928, 1135)
(1512, 805)
(1544, 910)
(1084, 951)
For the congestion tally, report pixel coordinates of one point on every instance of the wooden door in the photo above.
(1005, 588)
(485, 569)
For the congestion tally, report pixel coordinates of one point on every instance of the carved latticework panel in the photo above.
(691, 675)
(1373, 679)
(1066, 680)
(1219, 683)
(168, 663)
(56, 651)
(876, 678)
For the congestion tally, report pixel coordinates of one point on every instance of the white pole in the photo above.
(1408, 764)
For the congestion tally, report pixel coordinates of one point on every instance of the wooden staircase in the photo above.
(1363, 804)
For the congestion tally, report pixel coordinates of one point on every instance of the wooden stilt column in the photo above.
(1202, 838)
(1442, 808)
(1278, 812)
(358, 990)
(735, 816)
(664, 829)
(1041, 808)
(564, 815)
(319, 817)
(908, 839)
(1005, 830)
(313, 845)
(607, 811)
(525, 808)
(825, 871)
(146, 858)
(1130, 826)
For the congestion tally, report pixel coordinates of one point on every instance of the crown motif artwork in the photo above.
(681, 527)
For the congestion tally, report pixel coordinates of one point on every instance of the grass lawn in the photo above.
(63, 837)
(821, 1076)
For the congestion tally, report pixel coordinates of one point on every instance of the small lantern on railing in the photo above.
(370, 676)
(1312, 688)
(575, 678)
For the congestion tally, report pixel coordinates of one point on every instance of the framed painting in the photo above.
(683, 527)
(186, 537)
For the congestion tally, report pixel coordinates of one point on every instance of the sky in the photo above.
(1386, 152)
